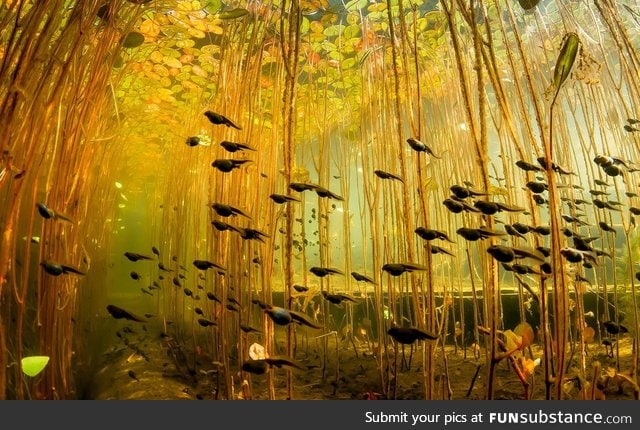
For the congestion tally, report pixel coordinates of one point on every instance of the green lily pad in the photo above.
(32, 366)
(355, 5)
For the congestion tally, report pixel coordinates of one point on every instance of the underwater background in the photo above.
(319, 199)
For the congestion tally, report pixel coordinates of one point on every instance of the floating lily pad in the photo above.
(32, 366)
(133, 40)
(355, 5)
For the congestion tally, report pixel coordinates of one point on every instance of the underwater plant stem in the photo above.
(612, 249)
(372, 197)
(479, 133)
(580, 325)
(445, 361)
(559, 287)
(22, 299)
(619, 35)
(476, 309)
(403, 165)
(634, 300)
(3, 360)
(428, 349)
(291, 62)
(526, 69)
(473, 380)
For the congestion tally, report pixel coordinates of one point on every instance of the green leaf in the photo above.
(168, 52)
(354, 5)
(304, 25)
(32, 366)
(198, 80)
(336, 55)
(213, 6)
(351, 31)
(334, 30)
(348, 63)
(565, 60)
(234, 13)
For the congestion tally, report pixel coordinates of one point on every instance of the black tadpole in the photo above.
(133, 256)
(430, 234)
(57, 269)
(363, 278)
(408, 335)
(386, 175)
(337, 299)
(397, 269)
(301, 288)
(282, 198)
(119, 313)
(613, 327)
(234, 146)
(205, 264)
(228, 210)
(324, 271)
(419, 146)
(218, 119)
(227, 165)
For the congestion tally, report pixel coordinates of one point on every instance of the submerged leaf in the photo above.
(525, 331)
(565, 60)
(528, 365)
(32, 366)
(513, 341)
(588, 333)
(234, 13)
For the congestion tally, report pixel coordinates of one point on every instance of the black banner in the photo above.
(321, 415)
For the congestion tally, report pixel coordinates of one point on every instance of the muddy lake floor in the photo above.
(357, 377)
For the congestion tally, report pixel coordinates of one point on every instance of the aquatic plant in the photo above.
(296, 113)
(32, 366)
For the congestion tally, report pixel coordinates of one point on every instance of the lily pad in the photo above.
(354, 5)
(32, 366)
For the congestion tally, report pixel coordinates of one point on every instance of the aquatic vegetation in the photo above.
(32, 366)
